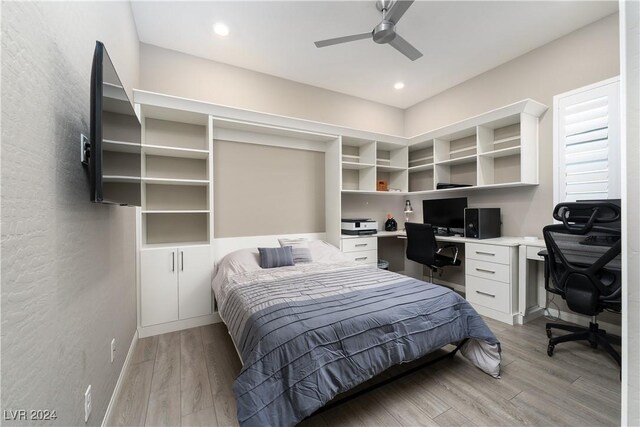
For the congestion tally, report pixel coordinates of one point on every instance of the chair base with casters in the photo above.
(441, 261)
(593, 334)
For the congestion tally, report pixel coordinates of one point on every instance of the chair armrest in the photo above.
(454, 252)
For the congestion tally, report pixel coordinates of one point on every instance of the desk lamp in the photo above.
(408, 209)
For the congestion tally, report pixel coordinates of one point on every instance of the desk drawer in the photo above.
(487, 270)
(488, 293)
(360, 244)
(532, 252)
(367, 257)
(484, 252)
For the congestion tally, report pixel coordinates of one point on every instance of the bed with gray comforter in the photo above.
(309, 332)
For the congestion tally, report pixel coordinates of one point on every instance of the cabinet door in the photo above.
(194, 281)
(158, 286)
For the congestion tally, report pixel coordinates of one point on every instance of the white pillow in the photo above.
(325, 253)
(300, 249)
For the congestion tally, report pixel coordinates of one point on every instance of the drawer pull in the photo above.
(485, 253)
(485, 294)
(362, 258)
(358, 245)
(485, 271)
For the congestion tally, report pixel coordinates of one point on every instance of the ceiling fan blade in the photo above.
(405, 48)
(398, 9)
(345, 39)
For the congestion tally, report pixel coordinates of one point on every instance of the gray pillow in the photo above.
(276, 257)
(300, 249)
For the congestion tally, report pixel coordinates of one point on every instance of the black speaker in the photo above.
(482, 223)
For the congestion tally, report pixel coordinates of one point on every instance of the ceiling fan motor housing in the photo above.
(384, 32)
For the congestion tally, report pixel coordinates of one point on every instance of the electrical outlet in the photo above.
(87, 403)
(113, 349)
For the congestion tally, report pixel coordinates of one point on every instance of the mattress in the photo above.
(310, 332)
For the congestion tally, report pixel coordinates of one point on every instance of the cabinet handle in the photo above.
(485, 271)
(173, 261)
(485, 253)
(361, 244)
(485, 294)
(362, 258)
(181, 260)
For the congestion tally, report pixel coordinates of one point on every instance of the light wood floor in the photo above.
(184, 378)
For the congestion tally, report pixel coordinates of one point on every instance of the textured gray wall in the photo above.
(68, 266)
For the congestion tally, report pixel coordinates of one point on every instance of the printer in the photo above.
(359, 226)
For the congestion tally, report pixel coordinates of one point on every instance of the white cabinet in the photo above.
(361, 249)
(175, 284)
(491, 280)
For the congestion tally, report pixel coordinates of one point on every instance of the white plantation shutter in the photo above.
(587, 143)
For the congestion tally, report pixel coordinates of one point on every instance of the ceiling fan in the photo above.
(385, 31)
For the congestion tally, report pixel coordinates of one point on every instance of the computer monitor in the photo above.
(444, 213)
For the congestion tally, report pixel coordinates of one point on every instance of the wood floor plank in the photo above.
(145, 350)
(403, 410)
(427, 400)
(345, 415)
(453, 418)
(203, 418)
(164, 406)
(525, 376)
(131, 407)
(166, 370)
(222, 374)
(195, 390)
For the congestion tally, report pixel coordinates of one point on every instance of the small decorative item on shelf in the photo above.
(408, 209)
(390, 224)
(394, 190)
(383, 185)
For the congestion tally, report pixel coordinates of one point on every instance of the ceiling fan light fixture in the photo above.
(221, 29)
(398, 85)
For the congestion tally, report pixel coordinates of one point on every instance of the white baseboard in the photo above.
(584, 320)
(164, 328)
(123, 372)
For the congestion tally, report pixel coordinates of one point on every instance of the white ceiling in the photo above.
(459, 39)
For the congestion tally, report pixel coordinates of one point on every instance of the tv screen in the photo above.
(115, 137)
(445, 213)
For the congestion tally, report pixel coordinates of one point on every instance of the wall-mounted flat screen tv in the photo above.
(114, 149)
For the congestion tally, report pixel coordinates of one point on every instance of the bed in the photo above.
(308, 332)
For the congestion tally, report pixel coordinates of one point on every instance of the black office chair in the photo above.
(582, 264)
(422, 248)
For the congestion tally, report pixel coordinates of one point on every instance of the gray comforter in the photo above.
(309, 334)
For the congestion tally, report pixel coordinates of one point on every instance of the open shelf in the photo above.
(421, 180)
(120, 178)
(164, 151)
(176, 168)
(177, 211)
(503, 152)
(421, 168)
(356, 166)
(175, 197)
(171, 227)
(172, 134)
(459, 161)
(390, 168)
(120, 146)
(174, 181)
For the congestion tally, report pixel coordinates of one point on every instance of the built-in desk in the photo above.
(491, 270)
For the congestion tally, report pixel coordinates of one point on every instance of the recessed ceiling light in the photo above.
(398, 85)
(221, 29)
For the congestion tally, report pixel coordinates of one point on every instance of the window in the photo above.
(586, 143)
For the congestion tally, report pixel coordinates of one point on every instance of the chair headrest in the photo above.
(583, 215)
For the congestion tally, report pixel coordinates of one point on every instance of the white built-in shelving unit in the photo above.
(175, 225)
(493, 150)
(365, 162)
